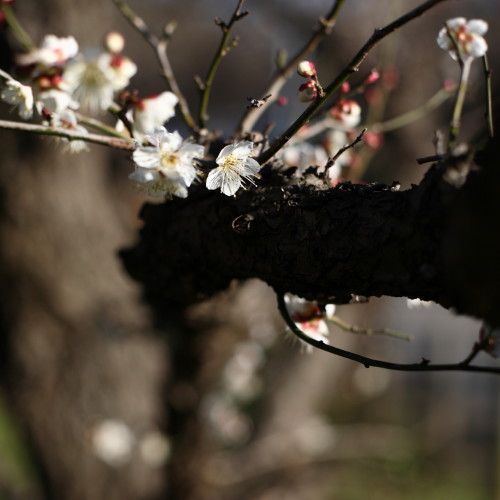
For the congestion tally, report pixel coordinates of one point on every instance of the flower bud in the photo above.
(372, 77)
(307, 91)
(306, 69)
(114, 42)
(348, 112)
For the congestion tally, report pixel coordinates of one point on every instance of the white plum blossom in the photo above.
(94, 81)
(235, 166)
(20, 96)
(468, 37)
(53, 51)
(55, 101)
(166, 166)
(153, 111)
(309, 318)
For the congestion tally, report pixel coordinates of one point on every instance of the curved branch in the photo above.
(423, 366)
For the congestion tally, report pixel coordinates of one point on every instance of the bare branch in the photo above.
(222, 51)
(159, 46)
(112, 142)
(424, 366)
(325, 27)
(344, 75)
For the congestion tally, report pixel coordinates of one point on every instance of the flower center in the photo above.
(230, 162)
(168, 160)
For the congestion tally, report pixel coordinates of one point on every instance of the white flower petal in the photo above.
(477, 26)
(146, 157)
(477, 47)
(456, 22)
(252, 166)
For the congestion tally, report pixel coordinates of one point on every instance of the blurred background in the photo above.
(99, 401)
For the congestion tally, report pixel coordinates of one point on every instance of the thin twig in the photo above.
(325, 27)
(359, 138)
(113, 142)
(344, 75)
(489, 100)
(368, 331)
(159, 46)
(428, 159)
(423, 366)
(222, 50)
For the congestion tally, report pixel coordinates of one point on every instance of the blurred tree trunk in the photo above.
(77, 346)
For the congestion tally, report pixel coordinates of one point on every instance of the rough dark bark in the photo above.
(326, 244)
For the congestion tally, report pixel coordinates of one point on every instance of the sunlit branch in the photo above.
(343, 149)
(222, 50)
(325, 27)
(159, 46)
(459, 102)
(368, 331)
(423, 366)
(99, 125)
(344, 75)
(113, 142)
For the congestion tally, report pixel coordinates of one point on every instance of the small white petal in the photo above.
(456, 22)
(146, 157)
(478, 47)
(477, 26)
(252, 166)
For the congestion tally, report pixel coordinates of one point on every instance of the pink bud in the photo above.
(307, 91)
(282, 100)
(374, 140)
(345, 87)
(306, 69)
(372, 77)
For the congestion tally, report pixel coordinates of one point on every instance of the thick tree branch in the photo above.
(328, 244)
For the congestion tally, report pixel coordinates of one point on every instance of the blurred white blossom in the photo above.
(152, 112)
(467, 36)
(93, 81)
(20, 96)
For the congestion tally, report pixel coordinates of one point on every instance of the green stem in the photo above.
(219, 54)
(423, 366)
(344, 75)
(459, 102)
(16, 28)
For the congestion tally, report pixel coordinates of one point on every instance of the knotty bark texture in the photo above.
(324, 244)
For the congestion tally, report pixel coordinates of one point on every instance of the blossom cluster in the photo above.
(56, 80)
(166, 165)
